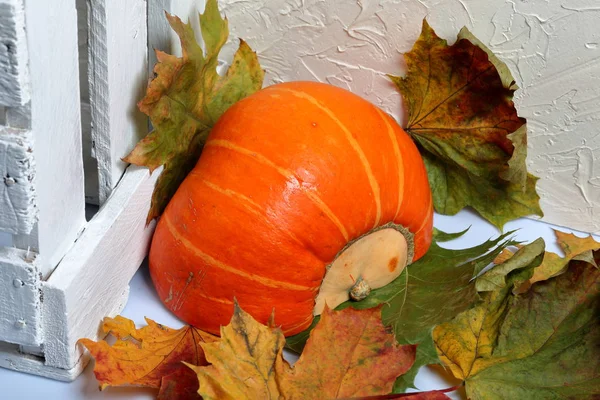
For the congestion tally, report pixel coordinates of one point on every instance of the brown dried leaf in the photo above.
(461, 115)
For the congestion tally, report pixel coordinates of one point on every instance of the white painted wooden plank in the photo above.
(90, 165)
(85, 286)
(18, 211)
(19, 116)
(30, 242)
(53, 67)
(118, 63)
(20, 290)
(12, 358)
(160, 35)
(5, 239)
(24, 359)
(14, 74)
(159, 31)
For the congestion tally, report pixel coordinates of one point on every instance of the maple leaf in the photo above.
(187, 97)
(349, 353)
(430, 291)
(527, 256)
(575, 248)
(461, 115)
(151, 356)
(244, 361)
(428, 395)
(539, 344)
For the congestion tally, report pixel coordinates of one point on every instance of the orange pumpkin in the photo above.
(288, 180)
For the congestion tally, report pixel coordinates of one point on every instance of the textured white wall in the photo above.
(551, 46)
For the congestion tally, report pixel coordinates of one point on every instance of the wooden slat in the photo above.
(159, 31)
(90, 165)
(88, 282)
(18, 211)
(160, 34)
(14, 76)
(56, 126)
(118, 60)
(11, 357)
(20, 303)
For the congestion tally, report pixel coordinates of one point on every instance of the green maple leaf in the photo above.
(429, 292)
(186, 98)
(461, 115)
(540, 344)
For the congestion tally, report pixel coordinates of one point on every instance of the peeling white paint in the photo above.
(18, 205)
(551, 47)
(14, 74)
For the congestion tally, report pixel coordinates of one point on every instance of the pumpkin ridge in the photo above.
(249, 205)
(247, 201)
(314, 197)
(273, 283)
(399, 159)
(375, 188)
(215, 299)
(425, 220)
(292, 328)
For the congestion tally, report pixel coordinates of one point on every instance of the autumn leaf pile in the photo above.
(505, 334)
(508, 320)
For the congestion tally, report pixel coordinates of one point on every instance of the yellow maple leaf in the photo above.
(575, 248)
(243, 361)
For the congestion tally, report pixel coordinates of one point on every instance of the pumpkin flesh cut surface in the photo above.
(287, 179)
(370, 262)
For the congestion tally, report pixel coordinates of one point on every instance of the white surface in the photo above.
(144, 302)
(18, 208)
(53, 66)
(90, 165)
(18, 212)
(551, 47)
(118, 68)
(90, 280)
(159, 31)
(20, 308)
(14, 79)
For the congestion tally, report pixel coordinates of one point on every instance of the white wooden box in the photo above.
(71, 72)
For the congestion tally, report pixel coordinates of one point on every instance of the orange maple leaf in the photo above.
(151, 356)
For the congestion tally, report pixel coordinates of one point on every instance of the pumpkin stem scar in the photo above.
(375, 259)
(408, 235)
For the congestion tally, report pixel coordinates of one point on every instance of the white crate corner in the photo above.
(67, 116)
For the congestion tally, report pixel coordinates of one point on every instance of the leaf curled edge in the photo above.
(186, 98)
(461, 115)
